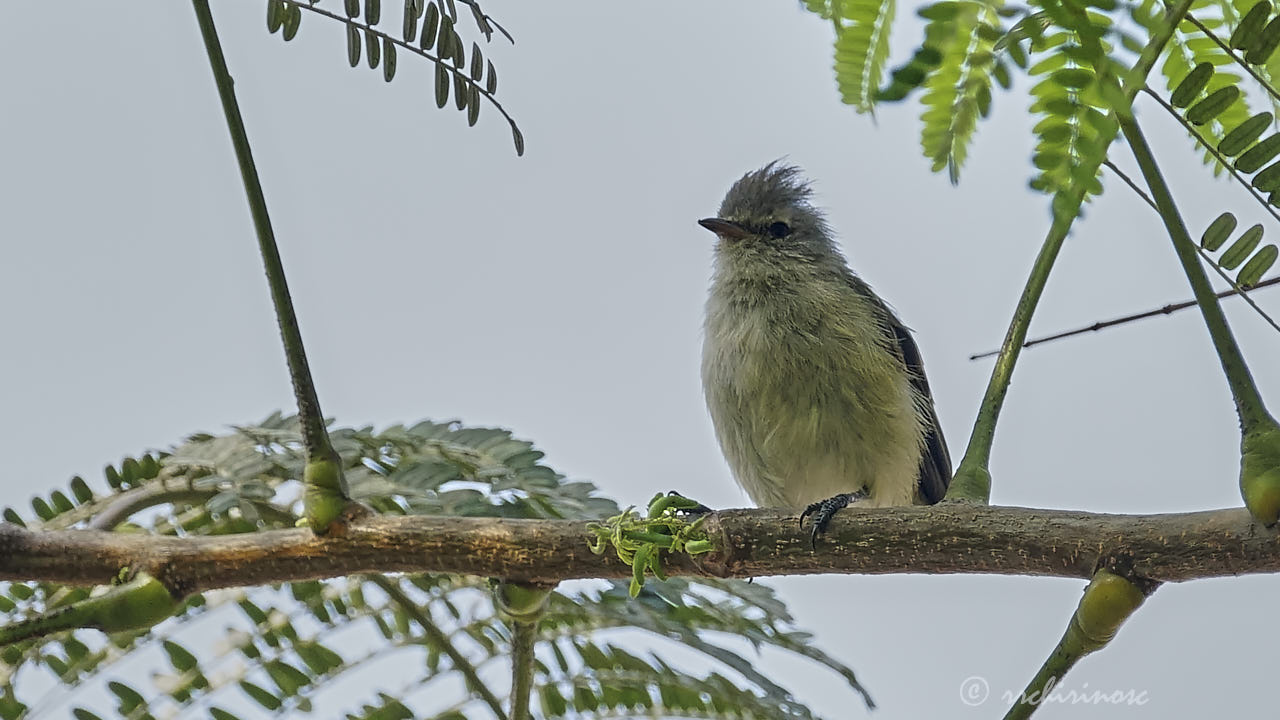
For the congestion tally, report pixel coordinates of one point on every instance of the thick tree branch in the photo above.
(948, 538)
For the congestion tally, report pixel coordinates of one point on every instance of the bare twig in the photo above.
(1165, 310)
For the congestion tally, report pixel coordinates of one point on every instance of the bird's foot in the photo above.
(698, 509)
(822, 512)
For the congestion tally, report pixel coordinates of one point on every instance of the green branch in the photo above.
(972, 480)
(135, 500)
(326, 488)
(1260, 441)
(1107, 602)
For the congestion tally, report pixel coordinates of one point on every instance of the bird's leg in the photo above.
(823, 510)
(699, 509)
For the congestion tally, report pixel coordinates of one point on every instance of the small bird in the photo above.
(815, 387)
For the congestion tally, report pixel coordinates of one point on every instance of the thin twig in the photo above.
(475, 6)
(438, 637)
(151, 495)
(1165, 310)
(1204, 255)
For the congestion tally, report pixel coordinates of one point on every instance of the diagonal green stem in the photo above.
(140, 603)
(1107, 602)
(1249, 404)
(1259, 432)
(1038, 689)
(1260, 462)
(973, 479)
(314, 434)
(326, 495)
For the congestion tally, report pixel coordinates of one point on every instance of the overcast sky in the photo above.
(437, 275)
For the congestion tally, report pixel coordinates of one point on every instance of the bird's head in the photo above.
(767, 212)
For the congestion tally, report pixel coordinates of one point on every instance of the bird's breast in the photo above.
(805, 390)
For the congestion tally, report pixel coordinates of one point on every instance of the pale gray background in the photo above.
(438, 275)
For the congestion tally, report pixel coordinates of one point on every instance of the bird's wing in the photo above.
(935, 464)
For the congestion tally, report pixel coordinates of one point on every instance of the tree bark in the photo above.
(948, 538)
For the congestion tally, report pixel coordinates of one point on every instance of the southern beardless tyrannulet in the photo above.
(815, 387)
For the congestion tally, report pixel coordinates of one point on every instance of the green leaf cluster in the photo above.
(970, 46)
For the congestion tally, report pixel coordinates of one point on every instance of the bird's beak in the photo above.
(724, 228)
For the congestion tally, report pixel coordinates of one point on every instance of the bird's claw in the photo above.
(822, 512)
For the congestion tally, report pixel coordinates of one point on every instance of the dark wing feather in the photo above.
(935, 464)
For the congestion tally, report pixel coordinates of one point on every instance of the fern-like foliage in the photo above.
(1078, 57)
(958, 92)
(280, 652)
(956, 64)
(861, 47)
(1075, 128)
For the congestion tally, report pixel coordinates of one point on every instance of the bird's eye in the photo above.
(779, 230)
